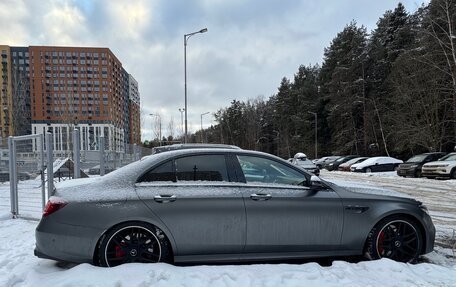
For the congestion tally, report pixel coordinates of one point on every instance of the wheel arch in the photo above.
(168, 236)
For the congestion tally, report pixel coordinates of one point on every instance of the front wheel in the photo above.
(395, 238)
(368, 170)
(453, 173)
(133, 242)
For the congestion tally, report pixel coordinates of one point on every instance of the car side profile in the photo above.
(224, 205)
(377, 164)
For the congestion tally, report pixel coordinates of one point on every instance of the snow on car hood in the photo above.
(440, 163)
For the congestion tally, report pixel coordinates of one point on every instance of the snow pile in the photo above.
(18, 267)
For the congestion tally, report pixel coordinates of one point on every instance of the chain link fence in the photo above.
(30, 174)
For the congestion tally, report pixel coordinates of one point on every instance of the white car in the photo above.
(378, 163)
(444, 167)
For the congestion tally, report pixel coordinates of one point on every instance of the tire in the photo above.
(134, 242)
(417, 173)
(395, 237)
(453, 173)
(368, 170)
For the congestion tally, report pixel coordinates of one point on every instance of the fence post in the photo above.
(102, 155)
(50, 162)
(76, 154)
(43, 181)
(13, 177)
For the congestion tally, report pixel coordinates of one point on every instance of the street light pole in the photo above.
(186, 37)
(202, 125)
(316, 129)
(181, 110)
(160, 125)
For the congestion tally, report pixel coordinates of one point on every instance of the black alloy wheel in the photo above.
(133, 242)
(418, 173)
(395, 238)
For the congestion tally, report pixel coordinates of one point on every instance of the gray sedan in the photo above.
(219, 205)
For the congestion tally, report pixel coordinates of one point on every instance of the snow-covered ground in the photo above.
(18, 266)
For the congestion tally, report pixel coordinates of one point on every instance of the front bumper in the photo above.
(406, 171)
(429, 234)
(64, 242)
(435, 172)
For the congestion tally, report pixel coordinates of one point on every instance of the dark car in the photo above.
(412, 167)
(335, 164)
(219, 205)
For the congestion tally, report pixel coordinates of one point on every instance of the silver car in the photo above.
(219, 205)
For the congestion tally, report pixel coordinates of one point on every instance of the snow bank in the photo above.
(18, 267)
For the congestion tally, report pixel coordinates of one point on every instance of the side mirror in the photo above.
(316, 184)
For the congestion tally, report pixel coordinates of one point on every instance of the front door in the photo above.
(283, 214)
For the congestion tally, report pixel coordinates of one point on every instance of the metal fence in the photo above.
(31, 193)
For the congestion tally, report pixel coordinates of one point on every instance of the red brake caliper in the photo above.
(119, 251)
(381, 238)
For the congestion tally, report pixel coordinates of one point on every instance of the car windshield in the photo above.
(417, 158)
(448, 157)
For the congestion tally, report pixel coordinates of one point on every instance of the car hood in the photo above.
(438, 163)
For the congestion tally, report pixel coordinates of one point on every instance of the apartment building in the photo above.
(72, 87)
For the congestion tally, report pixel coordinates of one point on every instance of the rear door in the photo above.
(283, 214)
(193, 196)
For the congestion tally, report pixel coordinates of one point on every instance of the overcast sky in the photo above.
(249, 46)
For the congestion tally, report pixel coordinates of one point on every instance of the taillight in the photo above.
(53, 205)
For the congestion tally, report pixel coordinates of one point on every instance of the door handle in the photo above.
(165, 198)
(260, 196)
(356, 208)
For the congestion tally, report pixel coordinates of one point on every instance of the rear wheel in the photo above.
(396, 238)
(133, 242)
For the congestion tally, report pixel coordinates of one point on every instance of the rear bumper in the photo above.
(64, 242)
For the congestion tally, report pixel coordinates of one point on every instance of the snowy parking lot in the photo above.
(19, 267)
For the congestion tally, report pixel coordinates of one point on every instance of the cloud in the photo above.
(249, 47)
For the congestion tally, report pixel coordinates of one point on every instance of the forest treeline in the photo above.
(390, 92)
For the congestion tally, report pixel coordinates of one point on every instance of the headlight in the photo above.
(414, 166)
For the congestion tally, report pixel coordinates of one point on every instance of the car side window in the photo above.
(263, 170)
(201, 168)
(163, 172)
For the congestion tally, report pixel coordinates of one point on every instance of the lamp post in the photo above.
(186, 37)
(160, 125)
(202, 125)
(182, 110)
(316, 128)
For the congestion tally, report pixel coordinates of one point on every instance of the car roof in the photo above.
(161, 149)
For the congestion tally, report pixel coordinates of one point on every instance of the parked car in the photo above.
(96, 170)
(444, 167)
(322, 162)
(376, 164)
(335, 164)
(300, 159)
(203, 205)
(346, 165)
(412, 166)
